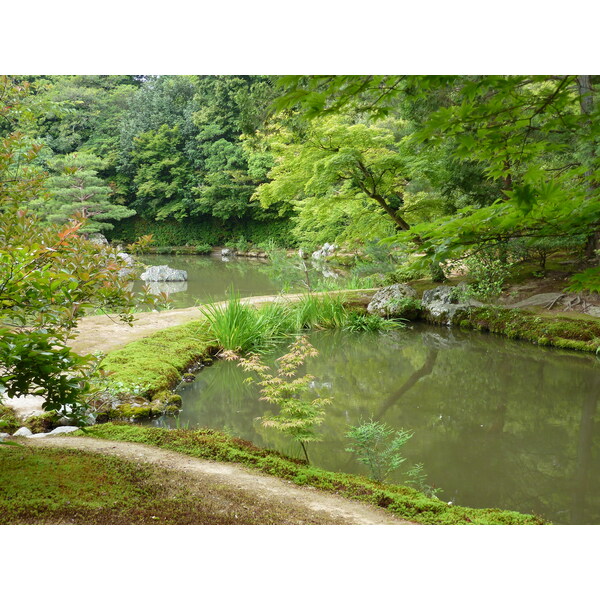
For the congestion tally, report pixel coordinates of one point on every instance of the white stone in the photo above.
(39, 435)
(22, 432)
(65, 429)
(163, 273)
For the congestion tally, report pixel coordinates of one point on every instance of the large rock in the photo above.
(440, 305)
(226, 252)
(22, 432)
(387, 301)
(65, 429)
(324, 252)
(593, 311)
(98, 238)
(163, 273)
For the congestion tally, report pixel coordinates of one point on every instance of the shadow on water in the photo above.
(497, 423)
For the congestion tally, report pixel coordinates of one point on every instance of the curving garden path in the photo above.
(302, 505)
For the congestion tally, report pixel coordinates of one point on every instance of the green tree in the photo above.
(342, 174)
(49, 274)
(297, 415)
(75, 188)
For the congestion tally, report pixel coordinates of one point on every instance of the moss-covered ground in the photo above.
(404, 502)
(64, 487)
(542, 329)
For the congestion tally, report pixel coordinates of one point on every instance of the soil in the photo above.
(221, 481)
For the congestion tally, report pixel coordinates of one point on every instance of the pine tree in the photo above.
(75, 188)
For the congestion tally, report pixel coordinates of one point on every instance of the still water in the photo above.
(210, 278)
(497, 423)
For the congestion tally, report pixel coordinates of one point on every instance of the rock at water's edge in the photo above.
(385, 302)
(22, 432)
(163, 273)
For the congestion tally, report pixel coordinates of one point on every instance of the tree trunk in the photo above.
(586, 101)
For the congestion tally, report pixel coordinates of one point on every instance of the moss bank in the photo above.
(399, 500)
(544, 330)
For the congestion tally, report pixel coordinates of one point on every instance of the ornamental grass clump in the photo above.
(241, 328)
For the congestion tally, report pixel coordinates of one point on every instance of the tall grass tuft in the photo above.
(242, 328)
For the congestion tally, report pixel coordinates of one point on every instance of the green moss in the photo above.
(544, 330)
(8, 420)
(41, 423)
(155, 363)
(402, 501)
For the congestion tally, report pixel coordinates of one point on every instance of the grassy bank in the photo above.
(402, 501)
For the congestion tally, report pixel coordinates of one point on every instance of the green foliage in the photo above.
(195, 231)
(239, 327)
(49, 277)
(297, 415)
(371, 443)
(356, 321)
(417, 478)
(487, 275)
(76, 189)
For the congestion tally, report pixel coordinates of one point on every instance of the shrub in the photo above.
(369, 441)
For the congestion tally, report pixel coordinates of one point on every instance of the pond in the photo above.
(210, 278)
(496, 422)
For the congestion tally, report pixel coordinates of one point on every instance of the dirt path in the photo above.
(304, 505)
(103, 334)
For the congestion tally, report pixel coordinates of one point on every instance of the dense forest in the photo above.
(445, 166)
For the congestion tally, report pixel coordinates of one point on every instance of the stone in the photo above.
(65, 429)
(226, 252)
(441, 306)
(324, 252)
(25, 406)
(98, 238)
(129, 270)
(537, 300)
(163, 273)
(39, 435)
(385, 302)
(4, 435)
(593, 311)
(22, 432)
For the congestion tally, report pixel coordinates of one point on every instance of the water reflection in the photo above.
(497, 423)
(210, 278)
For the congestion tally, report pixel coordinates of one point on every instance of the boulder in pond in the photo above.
(163, 273)
(226, 252)
(391, 302)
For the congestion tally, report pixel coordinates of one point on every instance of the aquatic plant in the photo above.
(241, 328)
